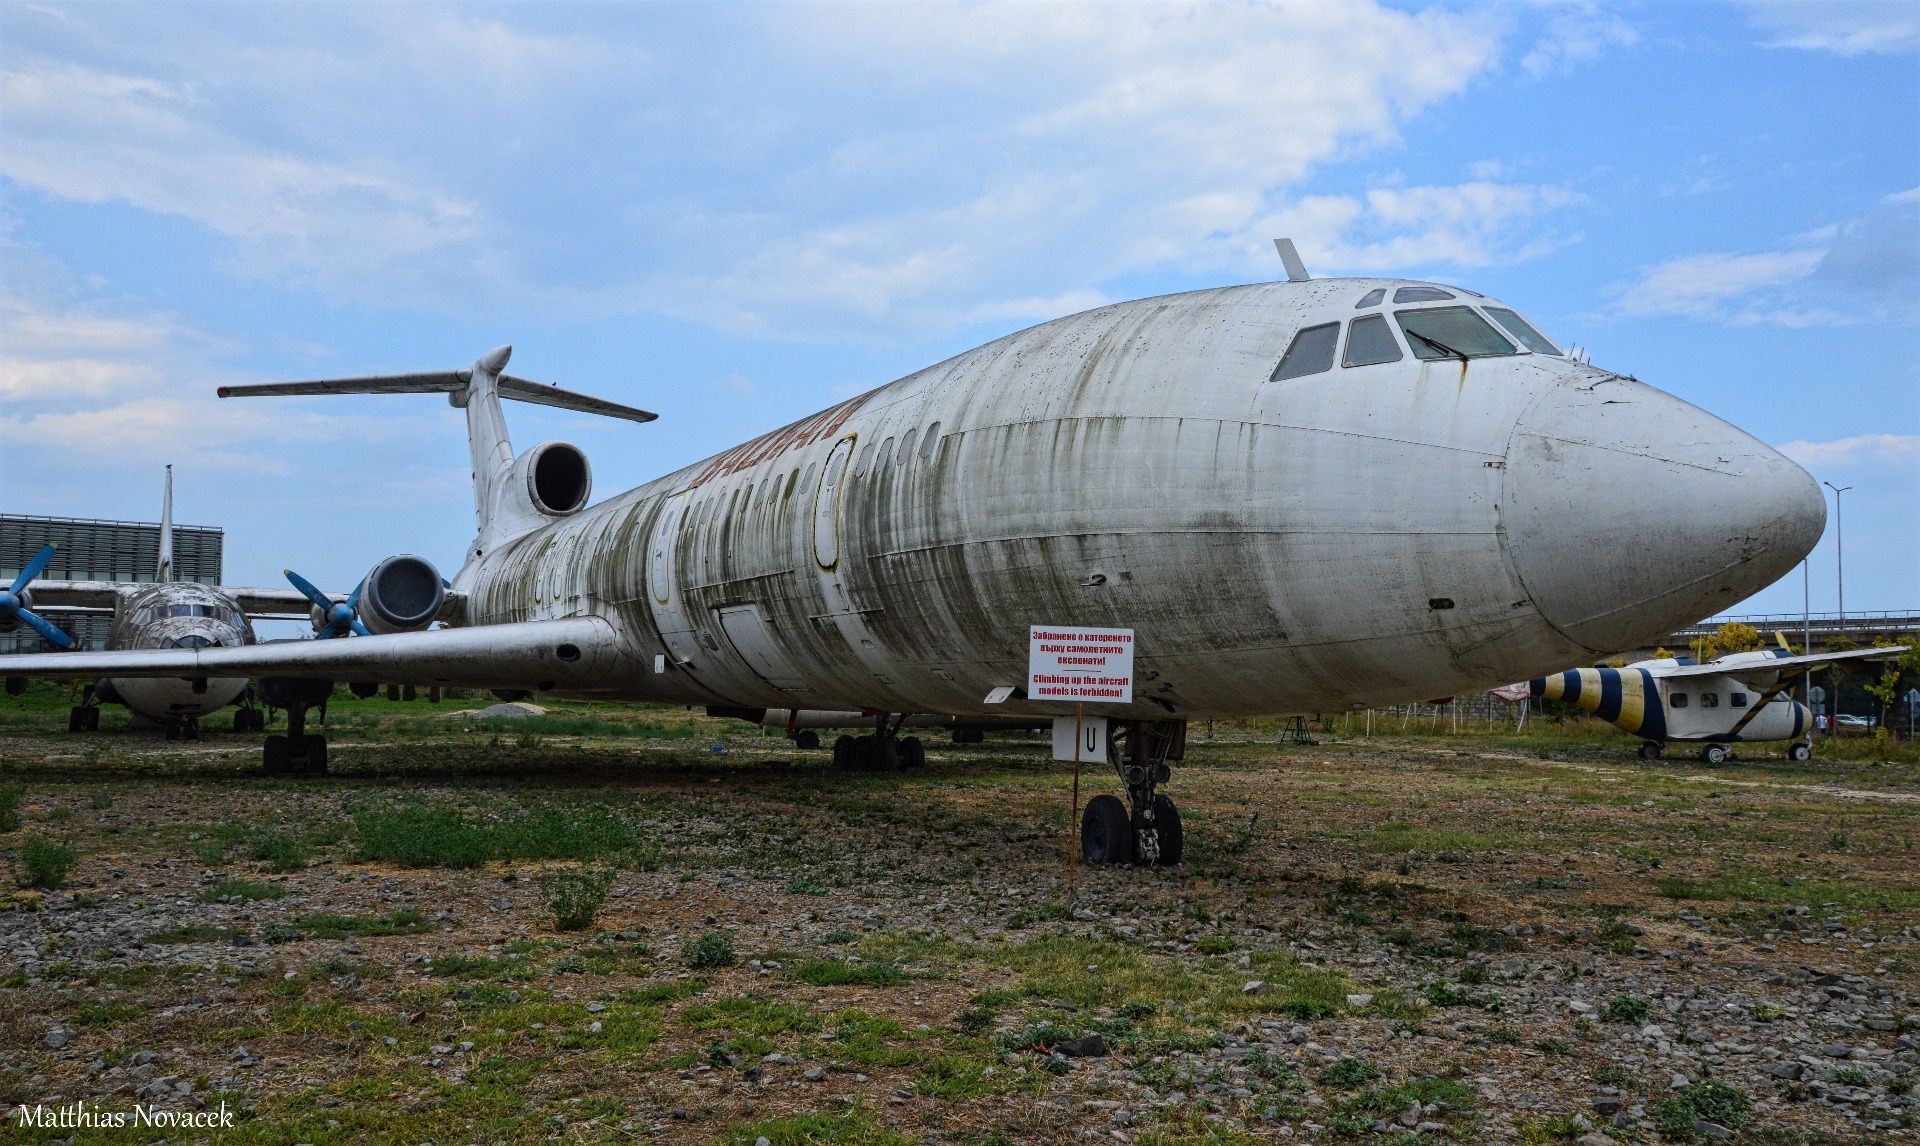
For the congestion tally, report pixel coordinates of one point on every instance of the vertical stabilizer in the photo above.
(163, 569)
(487, 442)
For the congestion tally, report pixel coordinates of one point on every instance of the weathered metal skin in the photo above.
(176, 614)
(1360, 536)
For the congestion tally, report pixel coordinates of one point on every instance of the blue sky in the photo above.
(735, 214)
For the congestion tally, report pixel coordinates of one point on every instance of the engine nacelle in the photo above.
(552, 479)
(402, 594)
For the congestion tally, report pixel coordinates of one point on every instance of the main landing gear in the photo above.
(180, 727)
(247, 718)
(884, 751)
(1715, 754)
(1801, 752)
(85, 717)
(298, 753)
(1651, 749)
(1141, 752)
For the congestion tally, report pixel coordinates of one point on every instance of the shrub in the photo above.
(1306, 1010)
(10, 806)
(1711, 1099)
(44, 863)
(1627, 1009)
(575, 898)
(714, 949)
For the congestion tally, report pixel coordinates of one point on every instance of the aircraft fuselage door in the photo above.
(826, 505)
(747, 629)
(663, 589)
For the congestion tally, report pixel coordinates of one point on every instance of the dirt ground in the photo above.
(1388, 939)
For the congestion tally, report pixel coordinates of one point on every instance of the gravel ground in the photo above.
(1377, 941)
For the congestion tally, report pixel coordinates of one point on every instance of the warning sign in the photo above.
(1090, 665)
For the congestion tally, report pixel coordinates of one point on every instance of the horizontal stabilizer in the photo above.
(451, 382)
(254, 602)
(1844, 659)
(571, 654)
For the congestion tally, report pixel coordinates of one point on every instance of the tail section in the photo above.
(163, 568)
(1627, 698)
(510, 495)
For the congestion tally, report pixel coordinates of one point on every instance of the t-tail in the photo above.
(163, 567)
(511, 495)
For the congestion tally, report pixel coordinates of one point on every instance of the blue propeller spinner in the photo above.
(15, 599)
(337, 618)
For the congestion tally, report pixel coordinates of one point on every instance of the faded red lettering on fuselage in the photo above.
(771, 445)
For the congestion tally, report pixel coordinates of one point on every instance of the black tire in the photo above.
(76, 720)
(843, 750)
(883, 753)
(808, 739)
(1171, 836)
(1714, 754)
(259, 720)
(968, 736)
(190, 728)
(1650, 750)
(172, 729)
(1106, 835)
(316, 756)
(913, 754)
(1800, 753)
(240, 721)
(93, 719)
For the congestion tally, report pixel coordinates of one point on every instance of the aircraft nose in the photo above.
(1631, 513)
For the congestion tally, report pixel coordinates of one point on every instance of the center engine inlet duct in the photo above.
(401, 594)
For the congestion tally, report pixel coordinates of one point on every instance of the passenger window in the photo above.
(885, 456)
(1370, 341)
(1371, 298)
(1311, 353)
(1421, 294)
(1523, 330)
(1450, 332)
(1737, 699)
(1679, 700)
(866, 455)
(926, 443)
(1709, 700)
(906, 447)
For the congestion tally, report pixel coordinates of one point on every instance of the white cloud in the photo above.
(1901, 451)
(1844, 27)
(1865, 267)
(1574, 35)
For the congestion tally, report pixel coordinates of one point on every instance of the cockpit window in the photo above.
(1370, 341)
(1523, 330)
(1421, 294)
(1450, 332)
(1311, 353)
(1371, 298)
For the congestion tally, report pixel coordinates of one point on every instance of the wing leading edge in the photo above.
(1780, 664)
(571, 654)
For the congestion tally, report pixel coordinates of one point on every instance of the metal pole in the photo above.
(1073, 821)
(1840, 544)
(1806, 639)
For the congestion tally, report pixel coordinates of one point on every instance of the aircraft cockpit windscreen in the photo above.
(1523, 330)
(1451, 332)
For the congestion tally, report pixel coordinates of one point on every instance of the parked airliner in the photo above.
(1300, 495)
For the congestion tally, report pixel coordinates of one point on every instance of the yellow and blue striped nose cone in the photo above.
(1628, 699)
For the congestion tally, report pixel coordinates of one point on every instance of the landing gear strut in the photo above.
(297, 753)
(247, 718)
(1141, 752)
(181, 727)
(884, 751)
(85, 717)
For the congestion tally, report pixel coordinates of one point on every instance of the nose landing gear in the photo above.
(1150, 834)
(297, 753)
(884, 751)
(85, 717)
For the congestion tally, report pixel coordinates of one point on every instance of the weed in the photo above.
(714, 949)
(10, 795)
(574, 897)
(1711, 1099)
(323, 926)
(44, 864)
(1627, 1009)
(421, 835)
(107, 1014)
(957, 1076)
(1848, 1076)
(1215, 945)
(854, 1128)
(1348, 1074)
(838, 936)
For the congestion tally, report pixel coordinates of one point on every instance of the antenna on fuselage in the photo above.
(163, 568)
(1290, 258)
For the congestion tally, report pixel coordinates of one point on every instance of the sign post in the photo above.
(1086, 666)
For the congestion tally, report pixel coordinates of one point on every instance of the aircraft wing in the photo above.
(79, 594)
(1778, 664)
(574, 653)
(453, 383)
(254, 601)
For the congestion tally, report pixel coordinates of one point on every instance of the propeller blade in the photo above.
(308, 590)
(34, 568)
(360, 628)
(353, 598)
(45, 628)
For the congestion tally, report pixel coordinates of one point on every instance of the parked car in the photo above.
(1851, 723)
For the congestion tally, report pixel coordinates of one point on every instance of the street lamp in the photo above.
(1840, 544)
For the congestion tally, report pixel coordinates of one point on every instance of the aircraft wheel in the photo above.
(1167, 832)
(316, 756)
(240, 721)
(274, 760)
(968, 736)
(883, 753)
(90, 720)
(259, 721)
(1651, 749)
(913, 754)
(843, 751)
(172, 729)
(1714, 754)
(1105, 835)
(1800, 752)
(76, 719)
(808, 739)
(190, 728)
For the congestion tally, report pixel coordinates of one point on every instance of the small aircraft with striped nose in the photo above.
(1735, 698)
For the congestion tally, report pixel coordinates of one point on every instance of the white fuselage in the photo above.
(1359, 535)
(178, 614)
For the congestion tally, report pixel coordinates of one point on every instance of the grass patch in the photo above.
(714, 949)
(196, 933)
(1758, 887)
(513, 967)
(959, 1077)
(44, 863)
(574, 898)
(834, 973)
(856, 1127)
(245, 890)
(10, 795)
(107, 1014)
(1627, 1009)
(422, 835)
(750, 1016)
(1712, 1100)
(322, 926)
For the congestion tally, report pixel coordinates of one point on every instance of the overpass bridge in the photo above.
(1818, 628)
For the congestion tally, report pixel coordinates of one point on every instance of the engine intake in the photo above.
(402, 594)
(556, 478)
